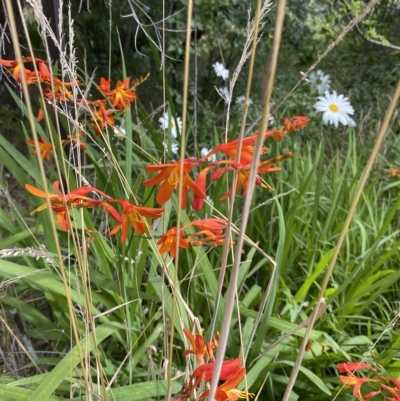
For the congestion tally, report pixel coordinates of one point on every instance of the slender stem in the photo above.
(181, 189)
(230, 296)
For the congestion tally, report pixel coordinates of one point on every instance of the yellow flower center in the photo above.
(173, 178)
(333, 107)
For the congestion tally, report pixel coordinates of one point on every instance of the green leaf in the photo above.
(313, 378)
(302, 292)
(67, 365)
(10, 393)
(139, 391)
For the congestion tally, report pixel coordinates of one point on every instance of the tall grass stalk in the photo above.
(267, 91)
(180, 187)
(252, 37)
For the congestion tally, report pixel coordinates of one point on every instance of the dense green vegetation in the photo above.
(86, 314)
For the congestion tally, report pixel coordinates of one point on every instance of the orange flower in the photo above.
(214, 225)
(351, 367)
(229, 370)
(131, 214)
(230, 148)
(208, 239)
(396, 382)
(122, 96)
(44, 72)
(30, 76)
(295, 123)
(60, 202)
(44, 148)
(210, 232)
(40, 114)
(243, 176)
(60, 93)
(169, 239)
(201, 182)
(228, 390)
(104, 85)
(102, 117)
(391, 390)
(394, 172)
(199, 349)
(16, 68)
(168, 176)
(278, 134)
(357, 382)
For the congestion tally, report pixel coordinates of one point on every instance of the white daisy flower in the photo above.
(320, 81)
(221, 71)
(336, 109)
(240, 100)
(119, 131)
(271, 119)
(167, 122)
(204, 151)
(224, 92)
(174, 147)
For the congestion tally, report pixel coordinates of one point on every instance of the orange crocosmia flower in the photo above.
(230, 148)
(122, 96)
(373, 394)
(392, 391)
(40, 114)
(104, 85)
(228, 390)
(15, 68)
(394, 172)
(396, 382)
(44, 148)
(230, 369)
(201, 182)
(169, 239)
(30, 76)
(243, 177)
(102, 117)
(278, 134)
(197, 342)
(300, 122)
(61, 92)
(60, 202)
(213, 225)
(357, 382)
(295, 123)
(168, 177)
(44, 72)
(209, 238)
(351, 367)
(132, 215)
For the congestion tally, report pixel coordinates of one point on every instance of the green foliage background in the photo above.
(299, 231)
